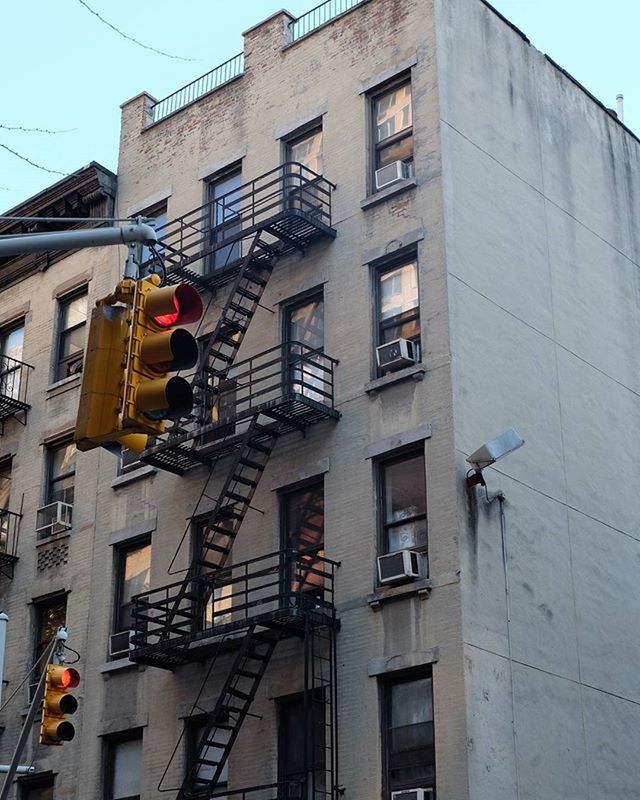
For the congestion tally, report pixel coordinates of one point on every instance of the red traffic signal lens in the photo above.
(173, 305)
(69, 679)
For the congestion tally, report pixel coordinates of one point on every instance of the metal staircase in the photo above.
(230, 711)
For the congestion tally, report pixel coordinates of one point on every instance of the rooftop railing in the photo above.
(223, 73)
(319, 16)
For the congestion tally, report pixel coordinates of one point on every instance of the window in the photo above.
(306, 149)
(397, 302)
(49, 615)
(133, 573)
(11, 341)
(303, 531)
(159, 215)
(408, 758)
(123, 766)
(403, 493)
(61, 473)
(304, 329)
(213, 608)
(72, 322)
(36, 787)
(194, 728)
(5, 498)
(295, 736)
(225, 198)
(393, 125)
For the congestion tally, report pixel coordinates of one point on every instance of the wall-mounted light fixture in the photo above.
(489, 453)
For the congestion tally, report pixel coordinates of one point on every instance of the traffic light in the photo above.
(133, 344)
(55, 729)
(157, 348)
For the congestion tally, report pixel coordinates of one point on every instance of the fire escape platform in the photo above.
(290, 206)
(288, 387)
(280, 594)
(14, 379)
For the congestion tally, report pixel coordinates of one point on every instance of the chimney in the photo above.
(620, 107)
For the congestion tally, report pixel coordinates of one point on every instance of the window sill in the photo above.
(390, 191)
(55, 537)
(417, 372)
(384, 594)
(118, 665)
(133, 476)
(65, 385)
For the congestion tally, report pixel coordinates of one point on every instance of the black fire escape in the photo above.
(14, 380)
(243, 407)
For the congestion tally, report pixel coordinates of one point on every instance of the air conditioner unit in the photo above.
(119, 644)
(413, 794)
(403, 565)
(53, 518)
(392, 173)
(397, 354)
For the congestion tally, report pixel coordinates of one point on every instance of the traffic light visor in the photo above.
(169, 350)
(165, 398)
(173, 305)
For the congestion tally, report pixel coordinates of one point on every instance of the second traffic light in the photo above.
(55, 728)
(156, 348)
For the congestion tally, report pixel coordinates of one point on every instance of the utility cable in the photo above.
(130, 38)
(33, 163)
(33, 130)
(46, 652)
(69, 219)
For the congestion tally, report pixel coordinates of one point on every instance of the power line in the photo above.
(33, 130)
(33, 164)
(130, 38)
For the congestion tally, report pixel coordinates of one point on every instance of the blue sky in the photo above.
(64, 70)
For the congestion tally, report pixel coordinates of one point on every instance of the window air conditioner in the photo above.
(119, 644)
(392, 173)
(397, 354)
(413, 794)
(403, 565)
(53, 518)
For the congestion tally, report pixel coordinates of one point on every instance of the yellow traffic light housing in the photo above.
(55, 729)
(157, 348)
(126, 392)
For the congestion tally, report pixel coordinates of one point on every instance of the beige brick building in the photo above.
(406, 169)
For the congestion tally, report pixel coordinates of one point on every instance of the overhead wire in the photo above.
(46, 652)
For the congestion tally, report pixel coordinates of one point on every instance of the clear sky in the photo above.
(64, 70)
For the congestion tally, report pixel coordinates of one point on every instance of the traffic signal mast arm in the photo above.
(12, 245)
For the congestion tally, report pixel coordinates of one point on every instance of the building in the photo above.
(501, 241)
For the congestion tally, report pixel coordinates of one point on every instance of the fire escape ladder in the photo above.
(234, 499)
(226, 718)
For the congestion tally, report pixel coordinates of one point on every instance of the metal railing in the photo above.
(291, 190)
(290, 368)
(14, 380)
(9, 533)
(283, 585)
(319, 16)
(218, 76)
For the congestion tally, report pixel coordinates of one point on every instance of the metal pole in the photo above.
(22, 770)
(3, 641)
(75, 240)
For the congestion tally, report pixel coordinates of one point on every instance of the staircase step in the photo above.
(254, 278)
(246, 674)
(221, 356)
(245, 481)
(239, 498)
(247, 462)
(230, 512)
(233, 324)
(262, 448)
(237, 693)
(249, 295)
(216, 547)
(246, 312)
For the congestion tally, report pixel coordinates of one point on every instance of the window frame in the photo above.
(381, 465)
(235, 252)
(385, 684)
(40, 606)
(109, 747)
(120, 555)
(60, 360)
(27, 783)
(286, 702)
(192, 726)
(156, 210)
(298, 135)
(50, 449)
(378, 270)
(376, 147)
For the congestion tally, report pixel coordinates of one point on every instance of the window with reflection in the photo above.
(71, 335)
(403, 492)
(11, 343)
(306, 192)
(133, 577)
(393, 125)
(195, 728)
(49, 615)
(5, 497)
(304, 328)
(407, 734)
(123, 773)
(61, 473)
(303, 517)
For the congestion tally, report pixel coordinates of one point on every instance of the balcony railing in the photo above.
(14, 381)
(276, 590)
(218, 76)
(320, 15)
(292, 203)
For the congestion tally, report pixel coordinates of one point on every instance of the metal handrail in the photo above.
(320, 15)
(206, 83)
(9, 533)
(14, 379)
